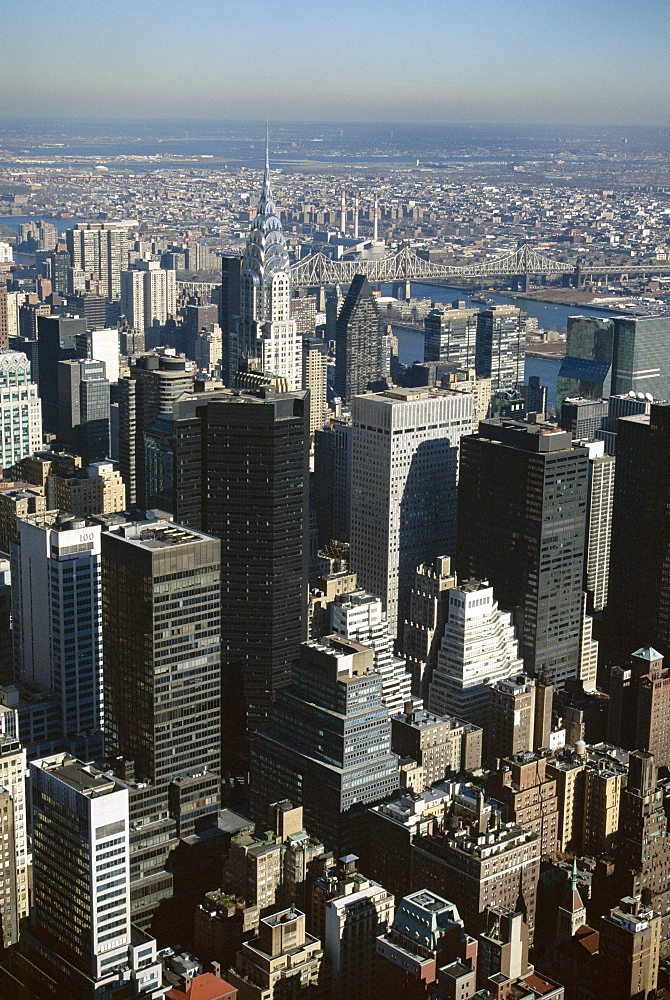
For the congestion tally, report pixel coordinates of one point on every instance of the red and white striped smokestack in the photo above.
(356, 215)
(343, 212)
(376, 219)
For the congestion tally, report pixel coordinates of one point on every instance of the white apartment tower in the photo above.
(13, 780)
(20, 410)
(268, 337)
(148, 294)
(405, 445)
(599, 522)
(81, 876)
(100, 248)
(132, 298)
(359, 617)
(478, 649)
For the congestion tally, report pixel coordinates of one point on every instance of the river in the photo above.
(549, 315)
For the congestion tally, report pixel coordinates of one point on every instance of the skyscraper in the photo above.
(638, 612)
(100, 248)
(315, 378)
(161, 610)
(57, 341)
(429, 604)
(478, 648)
(328, 743)
(608, 357)
(521, 525)
(81, 934)
(360, 361)
(404, 487)
(358, 616)
(253, 491)
(156, 381)
(267, 336)
(57, 616)
(148, 294)
(229, 312)
(20, 410)
(83, 416)
(501, 346)
(599, 523)
(451, 335)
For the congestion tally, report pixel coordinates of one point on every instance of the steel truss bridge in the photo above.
(405, 265)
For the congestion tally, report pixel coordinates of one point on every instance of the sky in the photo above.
(603, 62)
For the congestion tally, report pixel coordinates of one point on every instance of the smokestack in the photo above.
(356, 215)
(343, 213)
(376, 219)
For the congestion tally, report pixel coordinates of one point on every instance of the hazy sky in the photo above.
(572, 61)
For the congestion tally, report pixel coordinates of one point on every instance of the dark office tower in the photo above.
(328, 743)
(83, 417)
(521, 526)
(197, 318)
(229, 312)
(28, 316)
(638, 612)
(156, 382)
(611, 357)
(255, 499)
(586, 369)
(534, 395)
(332, 482)
(60, 265)
(161, 608)
(582, 417)
(92, 307)
(451, 335)
(359, 360)
(57, 341)
(500, 353)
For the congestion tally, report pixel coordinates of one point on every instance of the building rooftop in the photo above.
(84, 778)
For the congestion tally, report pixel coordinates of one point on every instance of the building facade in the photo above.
(405, 448)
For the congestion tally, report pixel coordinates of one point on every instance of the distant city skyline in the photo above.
(477, 61)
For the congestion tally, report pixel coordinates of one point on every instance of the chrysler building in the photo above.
(267, 336)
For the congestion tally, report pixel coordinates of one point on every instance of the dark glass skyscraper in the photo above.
(57, 341)
(328, 743)
(252, 451)
(83, 417)
(161, 608)
(638, 611)
(609, 357)
(521, 526)
(360, 356)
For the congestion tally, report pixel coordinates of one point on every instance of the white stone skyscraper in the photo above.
(405, 445)
(358, 616)
(20, 409)
(148, 294)
(479, 648)
(81, 936)
(267, 336)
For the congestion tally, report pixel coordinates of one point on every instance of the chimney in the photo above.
(343, 213)
(376, 219)
(356, 216)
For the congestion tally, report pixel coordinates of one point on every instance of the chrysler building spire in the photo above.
(266, 331)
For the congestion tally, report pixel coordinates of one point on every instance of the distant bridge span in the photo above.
(405, 265)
